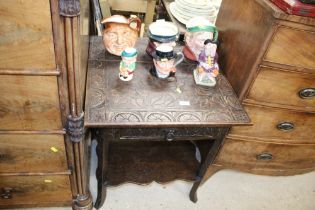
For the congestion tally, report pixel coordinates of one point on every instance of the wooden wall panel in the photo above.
(29, 103)
(26, 40)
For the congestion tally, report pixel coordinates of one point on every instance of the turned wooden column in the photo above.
(66, 18)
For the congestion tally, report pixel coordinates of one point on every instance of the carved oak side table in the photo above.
(155, 130)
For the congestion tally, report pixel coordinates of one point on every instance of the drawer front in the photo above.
(283, 89)
(29, 103)
(32, 153)
(278, 125)
(26, 39)
(255, 155)
(32, 191)
(168, 134)
(294, 48)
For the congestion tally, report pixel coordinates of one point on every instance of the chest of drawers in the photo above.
(269, 58)
(39, 164)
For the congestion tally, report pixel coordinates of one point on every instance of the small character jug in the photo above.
(128, 64)
(165, 61)
(161, 32)
(208, 69)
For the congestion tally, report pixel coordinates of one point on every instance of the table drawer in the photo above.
(278, 125)
(29, 103)
(284, 88)
(32, 153)
(293, 47)
(31, 191)
(168, 134)
(255, 155)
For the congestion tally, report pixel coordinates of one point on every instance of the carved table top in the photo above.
(147, 101)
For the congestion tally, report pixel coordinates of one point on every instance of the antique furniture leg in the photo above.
(102, 156)
(207, 162)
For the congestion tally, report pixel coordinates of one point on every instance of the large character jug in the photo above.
(120, 33)
(199, 29)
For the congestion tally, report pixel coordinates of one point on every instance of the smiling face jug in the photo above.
(120, 33)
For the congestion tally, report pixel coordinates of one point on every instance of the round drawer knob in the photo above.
(307, 93)
(264, 156)
(170, 136)
(285, 126)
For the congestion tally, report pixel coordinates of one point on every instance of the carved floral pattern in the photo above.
(158, 117)
(126, 117)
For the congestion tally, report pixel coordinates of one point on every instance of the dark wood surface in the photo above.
(161, 134)
(69, 8)
(147, 101)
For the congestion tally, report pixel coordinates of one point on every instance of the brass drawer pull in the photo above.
(285, 126)
(307, 93)
(264, 156)
(170, 136)
(6, 193)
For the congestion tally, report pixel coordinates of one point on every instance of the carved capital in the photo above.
(69, 8)
(75, 128)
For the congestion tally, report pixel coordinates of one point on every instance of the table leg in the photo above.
(210, 157)
(102, 156)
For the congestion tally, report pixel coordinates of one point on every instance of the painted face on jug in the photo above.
(164, 67)
(118, 37)
(195, 40)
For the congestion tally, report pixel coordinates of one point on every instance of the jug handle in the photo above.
(180, 58)
(137, 20)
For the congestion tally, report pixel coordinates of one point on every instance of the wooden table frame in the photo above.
(136, 119)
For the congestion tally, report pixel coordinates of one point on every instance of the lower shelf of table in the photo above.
(142, 162)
